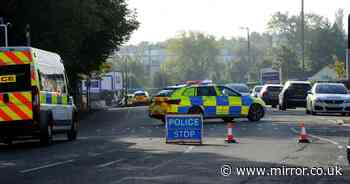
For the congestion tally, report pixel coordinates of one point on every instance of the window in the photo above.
(189, 92)
(225, 91)
(53, 83)
(206, 91)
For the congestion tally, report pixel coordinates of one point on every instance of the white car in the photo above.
(328, 98)
(255, 92)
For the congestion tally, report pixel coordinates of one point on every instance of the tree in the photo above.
(339, 67)
(287, 60)
(84, 33)
(193, 56)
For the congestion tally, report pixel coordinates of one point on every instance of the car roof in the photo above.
(276, 85)
(298, 82)
(329, 83)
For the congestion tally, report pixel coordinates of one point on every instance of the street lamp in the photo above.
(5, 28)
(248, 40)
(302, 36)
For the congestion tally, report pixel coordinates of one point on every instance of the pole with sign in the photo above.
(184, 129)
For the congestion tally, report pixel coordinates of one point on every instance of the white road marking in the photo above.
(109, 163)
(46, 166)
(189, 149)
(320, 138)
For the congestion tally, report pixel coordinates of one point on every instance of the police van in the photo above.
(34, 98)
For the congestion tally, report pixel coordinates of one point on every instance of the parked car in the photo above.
(256, 90)
(328, 98)
(243, 89)
(269, 93)
(141, 98)
(294, 94)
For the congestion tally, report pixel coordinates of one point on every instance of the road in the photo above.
(126, 146)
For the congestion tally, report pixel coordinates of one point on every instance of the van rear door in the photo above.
(15, 88)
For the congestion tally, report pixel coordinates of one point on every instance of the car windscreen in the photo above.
(257, 89)
(274, 88)
(300, 87)
(15, 78)
(239, 88)
(140, 94)
(165, 93)
(331, 89)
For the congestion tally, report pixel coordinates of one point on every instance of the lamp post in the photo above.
(248, 41)
(348, 52)
(5, 30)
(302, 36)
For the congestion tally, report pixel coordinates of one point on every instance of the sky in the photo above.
(164, 19)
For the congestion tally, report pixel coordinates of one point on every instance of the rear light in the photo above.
(264, 93)
(36, 100)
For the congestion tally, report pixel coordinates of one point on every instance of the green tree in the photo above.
(193, 56)
(84, 33)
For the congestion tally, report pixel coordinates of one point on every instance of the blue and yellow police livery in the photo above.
(212, 101)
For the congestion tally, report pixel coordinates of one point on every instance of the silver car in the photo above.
(328, 98)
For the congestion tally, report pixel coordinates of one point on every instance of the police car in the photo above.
(209, 100)
(34, 97)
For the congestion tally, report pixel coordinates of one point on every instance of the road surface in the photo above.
(126, 146)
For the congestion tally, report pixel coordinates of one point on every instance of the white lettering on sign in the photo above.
(184, 134)
(184, 122)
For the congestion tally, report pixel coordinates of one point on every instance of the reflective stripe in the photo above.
(234, 101)
(15, 57)
(223, 110)
(245, 110)
(50, 98)
(209, 100)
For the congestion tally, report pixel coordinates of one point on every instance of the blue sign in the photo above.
(184, 128)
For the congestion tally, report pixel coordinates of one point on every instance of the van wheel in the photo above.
(8, 140)
(73, 132)
(45, 129)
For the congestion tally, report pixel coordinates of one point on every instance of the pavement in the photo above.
(124, 145)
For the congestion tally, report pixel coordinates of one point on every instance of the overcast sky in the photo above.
(163, 19)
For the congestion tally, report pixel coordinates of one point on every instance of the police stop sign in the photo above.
(184, 128)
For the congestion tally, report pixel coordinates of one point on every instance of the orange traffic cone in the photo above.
(230, 138)
(303, 138)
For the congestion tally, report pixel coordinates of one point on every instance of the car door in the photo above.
(231, 102)
(206, 98)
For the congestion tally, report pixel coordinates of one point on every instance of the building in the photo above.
(325, 74)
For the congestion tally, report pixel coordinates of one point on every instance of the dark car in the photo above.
(269, 93)
(294, 94)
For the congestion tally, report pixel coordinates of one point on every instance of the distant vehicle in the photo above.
(256, 90)
(34, 97)
(211, 101)
(141, 98)
(294, 94)
(239, 87)
(328, 98)
(269, 93)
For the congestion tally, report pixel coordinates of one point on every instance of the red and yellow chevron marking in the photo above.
(18, 108)
(15, 57)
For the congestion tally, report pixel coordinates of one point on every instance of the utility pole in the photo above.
(348, 52)
(303, 36)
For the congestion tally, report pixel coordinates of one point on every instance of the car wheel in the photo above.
(73, 131)
(45, 129)
(307, 111)
(256, 112)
